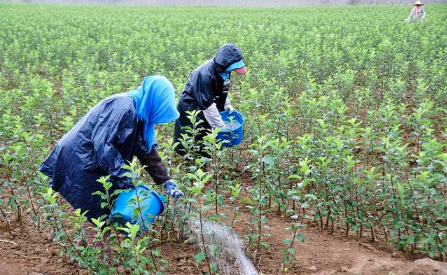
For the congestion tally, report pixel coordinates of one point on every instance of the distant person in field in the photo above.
(207, 91)
(418, 12)
(109, 135)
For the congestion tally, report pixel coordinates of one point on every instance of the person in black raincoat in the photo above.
(109, 135)
(207, 90)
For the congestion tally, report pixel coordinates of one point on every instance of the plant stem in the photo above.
(203, 242)
(71, 242)
(5, 216)
(286, 258)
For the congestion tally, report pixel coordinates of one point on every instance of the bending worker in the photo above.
(418, 13)
(207, 90)
(107, 137)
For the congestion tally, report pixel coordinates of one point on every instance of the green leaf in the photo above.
(300, 237)
(247, 200)
(311, 196)
(200, 257)
(196, 190)
(269, 160)
(156, 252)
(287, 241)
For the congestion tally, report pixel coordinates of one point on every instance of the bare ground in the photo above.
(28, 251)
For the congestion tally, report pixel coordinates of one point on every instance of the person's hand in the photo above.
(172, 190)
(229, 108)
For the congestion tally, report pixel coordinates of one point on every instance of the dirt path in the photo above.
(324, 254)
(29, 252)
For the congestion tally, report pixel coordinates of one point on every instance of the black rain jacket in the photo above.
(204, 87)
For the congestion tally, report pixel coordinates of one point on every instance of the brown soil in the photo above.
(31, 252)
(322, 253)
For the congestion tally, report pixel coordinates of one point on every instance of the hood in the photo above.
(227, 55)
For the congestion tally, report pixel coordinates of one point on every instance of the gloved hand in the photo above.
(213, 117)
(171, 189)
(229, 107)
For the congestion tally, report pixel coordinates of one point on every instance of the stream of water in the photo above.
(231, 257)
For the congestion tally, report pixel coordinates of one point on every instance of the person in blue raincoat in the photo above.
(107, 137)
(207, 90)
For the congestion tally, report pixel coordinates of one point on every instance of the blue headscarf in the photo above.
(155, 103)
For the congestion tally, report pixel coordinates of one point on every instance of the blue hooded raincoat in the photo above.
(108, 136)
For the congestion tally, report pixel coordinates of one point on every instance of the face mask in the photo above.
(225, 76)
(226, 79)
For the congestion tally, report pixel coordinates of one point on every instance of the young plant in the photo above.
(289, 252)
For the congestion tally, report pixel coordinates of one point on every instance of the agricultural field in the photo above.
(343, 167)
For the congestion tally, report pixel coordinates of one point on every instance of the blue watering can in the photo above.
(235, 133)
(126, 210)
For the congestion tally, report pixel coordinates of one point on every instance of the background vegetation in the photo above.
(345, 117)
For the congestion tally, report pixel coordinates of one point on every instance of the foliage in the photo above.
(345, 121)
